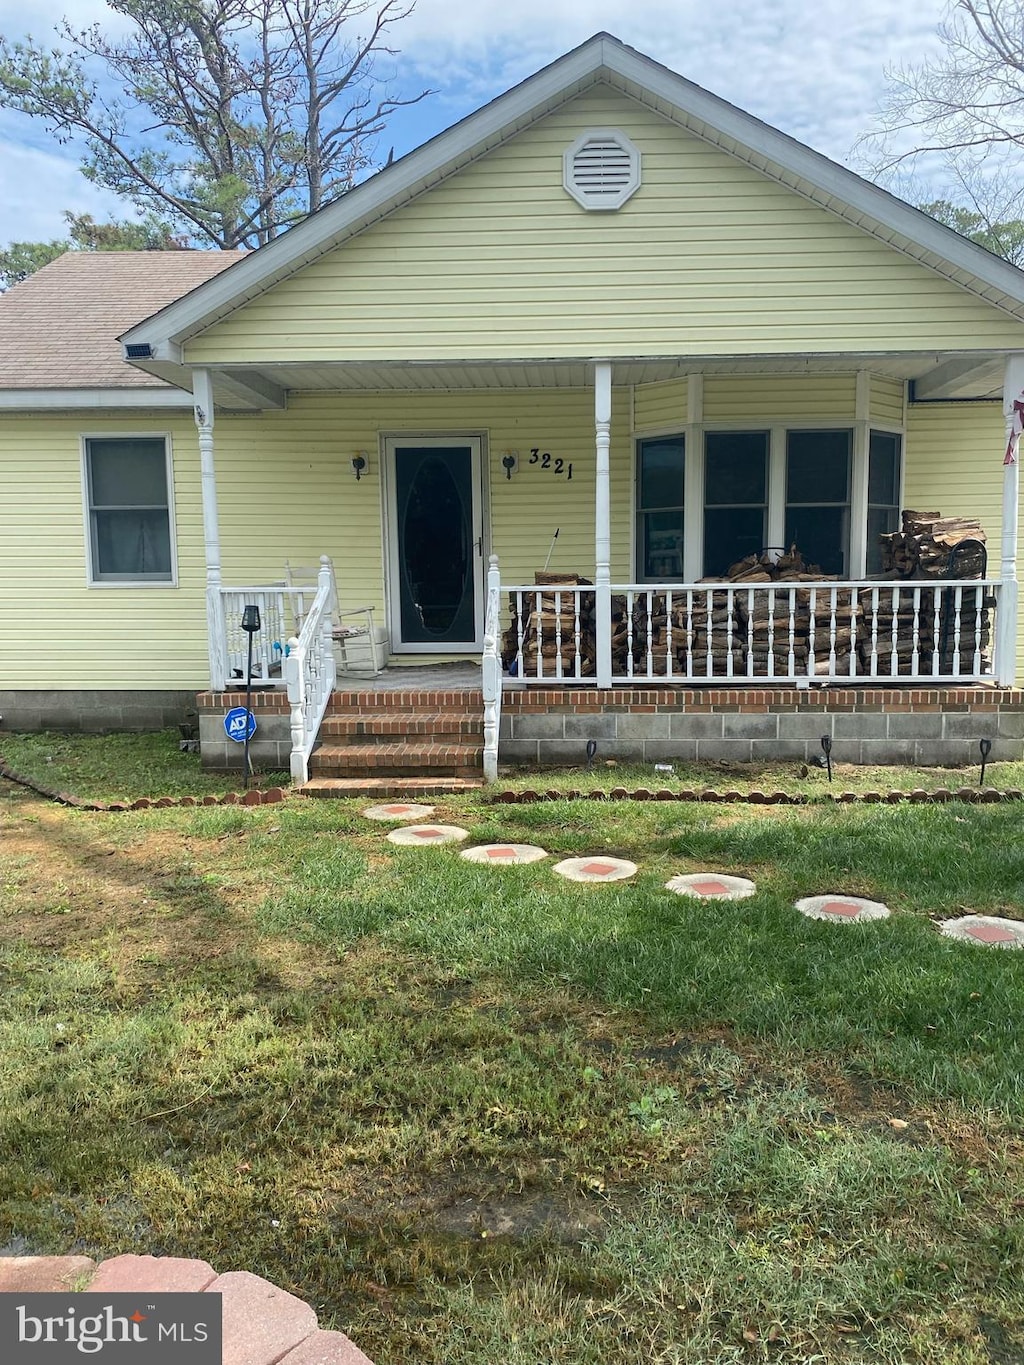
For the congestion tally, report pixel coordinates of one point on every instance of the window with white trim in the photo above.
(818, 469)
(660, 467)
(735, 497)
(129, 509)
(885, 452)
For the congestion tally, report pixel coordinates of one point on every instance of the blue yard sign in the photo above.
(235, 726)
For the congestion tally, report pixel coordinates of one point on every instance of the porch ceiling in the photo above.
(936, 376)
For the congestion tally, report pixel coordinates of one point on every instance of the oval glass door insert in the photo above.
(435, 543)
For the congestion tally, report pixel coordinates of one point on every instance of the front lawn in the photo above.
(480, 1114)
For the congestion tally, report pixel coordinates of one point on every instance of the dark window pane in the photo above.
(731, 533)
(661, 554)
(128, 473)
(821, 534)
(881, 520)
(132, 545)
(661, 472)
(735, 468)
(884, 469)
(817, 466)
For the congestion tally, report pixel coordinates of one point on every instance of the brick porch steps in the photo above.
(390, 786)
(427, 743)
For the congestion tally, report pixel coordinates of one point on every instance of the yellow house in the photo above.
(610, 327)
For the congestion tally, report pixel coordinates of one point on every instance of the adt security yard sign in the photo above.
(235, 724)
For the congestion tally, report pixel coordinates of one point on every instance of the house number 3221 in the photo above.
(553, 464)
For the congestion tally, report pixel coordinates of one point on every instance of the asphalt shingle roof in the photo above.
(59, 328)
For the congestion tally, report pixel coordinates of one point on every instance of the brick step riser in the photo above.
(402, 728)
(397, 770)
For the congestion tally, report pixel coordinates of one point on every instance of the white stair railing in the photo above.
(491, 671)
(310, 672)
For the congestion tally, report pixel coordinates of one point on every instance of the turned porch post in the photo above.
(602, 522)
(216, 634)
(1006, 617)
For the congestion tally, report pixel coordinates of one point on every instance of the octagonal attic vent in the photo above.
(601, 169)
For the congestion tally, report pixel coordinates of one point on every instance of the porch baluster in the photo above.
(916, 625)
(770, 661)
(811, 626)
(750, 633)
(520, 661)
(854, 613)
(538, 616)
(936, 631)
(577, 598)
(791, 659)
(979, 600)
(894, 657)
(730, 601)
(873, 657)
(957, 605)
(669, 654)
(629, 635)
(708, 598)
(558, 634)
(833, 610)
(689, 633)
(650, 632)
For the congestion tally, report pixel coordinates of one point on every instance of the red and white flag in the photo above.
(1016, 427)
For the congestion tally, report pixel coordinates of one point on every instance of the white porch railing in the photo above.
(491, 680)
(916, 631)
(302, 662)
(310, 672)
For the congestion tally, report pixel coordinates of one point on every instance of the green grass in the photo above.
(117, 767)
(478, 1114)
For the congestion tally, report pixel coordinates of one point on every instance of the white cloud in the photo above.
(814, 68)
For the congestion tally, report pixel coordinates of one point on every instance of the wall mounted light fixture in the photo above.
(510, 462)
(360, 464)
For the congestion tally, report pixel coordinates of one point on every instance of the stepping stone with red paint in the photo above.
(596, 869)
(988, 930)
(503, 855)
(842, 909)
(425, 836)
(716, 886)
(398, 810)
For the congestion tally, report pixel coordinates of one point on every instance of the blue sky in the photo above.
(814, 68)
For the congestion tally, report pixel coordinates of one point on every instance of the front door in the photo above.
(436, 548)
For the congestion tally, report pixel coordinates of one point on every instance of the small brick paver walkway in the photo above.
(263, 1325)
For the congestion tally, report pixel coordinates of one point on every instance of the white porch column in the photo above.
(603, 521)
(1006, 618)
(202, 393)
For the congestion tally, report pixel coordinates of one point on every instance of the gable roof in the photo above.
(601, 58)
(59, 328)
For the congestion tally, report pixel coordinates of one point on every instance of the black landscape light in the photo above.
(826, 749)
(250, 624)
(591, 751)
(985, 745)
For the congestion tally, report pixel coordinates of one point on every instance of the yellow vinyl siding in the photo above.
(954, 465)
(660, 407)
(887, 401)
(708, 257)
(62, 634)
(779, 398)
(285, 491)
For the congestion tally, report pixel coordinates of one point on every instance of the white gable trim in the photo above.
(602, 57)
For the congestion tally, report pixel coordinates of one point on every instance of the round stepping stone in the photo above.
(502, 855)
(596, 869)
(711, 886)
(398, 810)
(848, 909)
(423, 836)
(988, 930)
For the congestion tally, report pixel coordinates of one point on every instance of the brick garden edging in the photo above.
(252, 797)
(975, 795)
(263, 1325)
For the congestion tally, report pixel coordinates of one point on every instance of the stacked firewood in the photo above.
(928, 545)
(548, 628)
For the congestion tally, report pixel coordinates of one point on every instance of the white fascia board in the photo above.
(51, 400)
(408, 177)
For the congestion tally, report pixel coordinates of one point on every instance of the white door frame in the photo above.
(475, 443)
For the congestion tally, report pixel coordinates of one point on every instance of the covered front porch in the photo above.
(642, 630)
